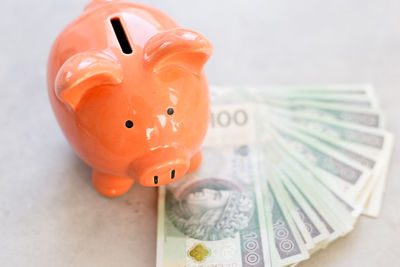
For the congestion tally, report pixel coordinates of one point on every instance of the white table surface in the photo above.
(50, 215)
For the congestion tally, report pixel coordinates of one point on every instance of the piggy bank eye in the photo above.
(170, 111)
(129, 124)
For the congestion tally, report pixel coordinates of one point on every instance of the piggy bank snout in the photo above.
(160, 167)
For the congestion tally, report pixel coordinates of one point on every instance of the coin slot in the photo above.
(121, 36)
(173, 174)
(156, 179)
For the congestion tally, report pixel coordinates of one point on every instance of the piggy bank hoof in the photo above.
(109, 185)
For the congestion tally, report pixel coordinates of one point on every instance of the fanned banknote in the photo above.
(215, 216)
(285, 172)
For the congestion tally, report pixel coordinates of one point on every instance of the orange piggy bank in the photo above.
(128, 89)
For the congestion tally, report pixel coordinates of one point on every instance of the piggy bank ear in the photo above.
(177, 46)
(82, 72)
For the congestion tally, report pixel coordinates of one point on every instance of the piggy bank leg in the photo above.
(109, 185)
(195, 161)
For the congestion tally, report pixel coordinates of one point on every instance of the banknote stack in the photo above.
(285, 172)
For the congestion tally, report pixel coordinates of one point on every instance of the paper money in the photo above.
(287, 240)
(370, 147)
(342, 174)
(285, 172)
(215, 216)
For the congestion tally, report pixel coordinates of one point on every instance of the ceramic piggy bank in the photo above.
(128, 89)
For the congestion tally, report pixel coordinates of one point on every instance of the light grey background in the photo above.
(50, 215)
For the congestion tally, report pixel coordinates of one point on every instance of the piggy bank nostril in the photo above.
(156, 179)
(172, 174)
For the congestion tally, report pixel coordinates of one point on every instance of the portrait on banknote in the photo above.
(209, 209)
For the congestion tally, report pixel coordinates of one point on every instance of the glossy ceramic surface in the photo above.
(133, 115)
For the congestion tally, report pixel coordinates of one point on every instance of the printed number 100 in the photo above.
(226, 118)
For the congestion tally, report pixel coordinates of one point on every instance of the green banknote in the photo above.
(309, 178)
(361, 96)
(315, 224)
(353, 105)
(360, 116)
(334, 212)
(281, 178)
(345, 176)
(215, 215)
(287, 241)
(368, 140)
(370, 147)
(330, 91)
